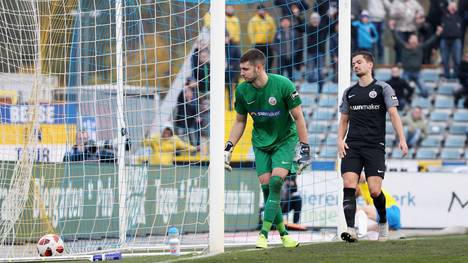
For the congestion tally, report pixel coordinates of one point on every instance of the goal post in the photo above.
(114, 114)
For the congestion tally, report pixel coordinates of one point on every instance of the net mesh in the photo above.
(64, 131)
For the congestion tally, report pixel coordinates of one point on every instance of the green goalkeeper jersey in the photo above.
(269, 107)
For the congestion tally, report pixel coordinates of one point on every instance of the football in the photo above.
(50, 245)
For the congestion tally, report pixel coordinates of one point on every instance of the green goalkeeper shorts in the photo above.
(281, 156)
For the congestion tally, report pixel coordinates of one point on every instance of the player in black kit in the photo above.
(364, 108)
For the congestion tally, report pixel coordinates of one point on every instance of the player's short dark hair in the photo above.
(254, 56)
(365, 54)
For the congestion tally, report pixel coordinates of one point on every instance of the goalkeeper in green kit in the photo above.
(278, 121)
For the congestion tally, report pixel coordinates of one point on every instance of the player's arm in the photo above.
(236, 133)
(303, 150)
(398, 126)
(238, 128)
(343, 125)
(300, 124)
(391, 102)
(342, 129)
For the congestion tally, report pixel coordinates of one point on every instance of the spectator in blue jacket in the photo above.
(367, 34)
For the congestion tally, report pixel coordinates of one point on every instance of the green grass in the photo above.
(427, 250)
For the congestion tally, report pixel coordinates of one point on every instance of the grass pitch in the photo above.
(438, 249)
(427, 250)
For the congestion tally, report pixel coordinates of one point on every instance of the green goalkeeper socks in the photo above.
(272, 207)
(279, 216)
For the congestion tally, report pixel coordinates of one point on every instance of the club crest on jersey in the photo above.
(272, 101)
(373, 94)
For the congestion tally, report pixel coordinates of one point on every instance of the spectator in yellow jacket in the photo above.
(232, 24)
(166, 146)
(262, 30)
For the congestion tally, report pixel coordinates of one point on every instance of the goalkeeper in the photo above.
(274, 105)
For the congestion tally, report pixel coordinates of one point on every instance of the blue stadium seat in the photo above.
(309, 88)
(440, 115)
(450, 154)
(383, 74)
(315, 139)
(330, 88)
(430, 75)
(436, 127)
(446, 88)
(458, 128)
(424, 103)
(328, 101)
(327, 152)
(330, 140)
(432, 141)
(318, 127)
(461, 115)
(444, 102)
(334, 127)
(308, 101)
(389, 128)
(323, 115)
(460, 103)
(455, 141)
(389, 139)
(397, 154)
(427, 153)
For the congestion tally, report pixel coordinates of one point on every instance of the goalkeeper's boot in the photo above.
(289, 241)
(262, 241)
(383, 231)
(349, 235)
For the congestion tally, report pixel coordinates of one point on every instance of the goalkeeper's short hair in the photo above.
(254, 56)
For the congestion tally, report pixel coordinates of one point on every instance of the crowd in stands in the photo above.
(300, 39)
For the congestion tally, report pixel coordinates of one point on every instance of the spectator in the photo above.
(463, 12)
(366, 33)
(106, 153)
(462, 92)
(377, 15)
(262, 30)
(412, 54)
(404, 12)
(436, 11)
(334, 51)
(450, 43)
(233, 26)
(285, 47)
(425, 32)
(202, 71)
(77, 152)
(403, 90)
(356, 10)
(316, 40)
(368, 211)
(299, 27)
(187, 119)
(232, 72)
(166, 145)
(416, 127)
(91, 151)
(286, 6)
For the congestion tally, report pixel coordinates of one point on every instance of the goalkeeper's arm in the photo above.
(236, 133)
(303, 154)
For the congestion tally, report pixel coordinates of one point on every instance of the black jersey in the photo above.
(367, 109)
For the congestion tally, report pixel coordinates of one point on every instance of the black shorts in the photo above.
(372, 159)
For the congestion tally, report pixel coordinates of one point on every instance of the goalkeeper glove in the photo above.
(303, 158)
(227, 155)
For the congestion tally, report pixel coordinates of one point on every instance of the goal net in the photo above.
(105, 122)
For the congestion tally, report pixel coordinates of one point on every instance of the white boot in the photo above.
(383, 231)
